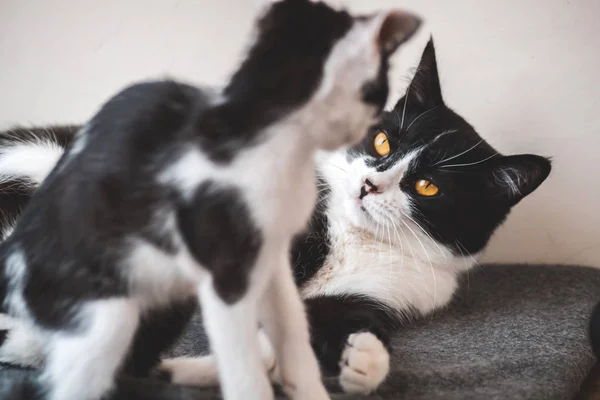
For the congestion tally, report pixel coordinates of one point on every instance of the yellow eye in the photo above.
(381, 144)
(426, 188)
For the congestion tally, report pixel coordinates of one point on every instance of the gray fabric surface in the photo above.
(512, 332)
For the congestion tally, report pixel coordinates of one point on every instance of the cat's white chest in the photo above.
(361, 265)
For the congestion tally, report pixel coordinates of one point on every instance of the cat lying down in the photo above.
(172, 194)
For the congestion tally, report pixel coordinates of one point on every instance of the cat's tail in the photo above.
(595, 330)
(27, 156)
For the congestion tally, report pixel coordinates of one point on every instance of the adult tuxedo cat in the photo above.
(398, 219)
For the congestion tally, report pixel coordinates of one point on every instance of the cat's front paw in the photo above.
(365, 363)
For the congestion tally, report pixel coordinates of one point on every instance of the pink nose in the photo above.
(367, 187)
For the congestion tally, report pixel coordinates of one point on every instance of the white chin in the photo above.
(358, 217)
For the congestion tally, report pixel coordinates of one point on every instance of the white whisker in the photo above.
(443, 253)
(419, 116)
(404, 108)
(430, 263)
(473, 163)
(458, 155)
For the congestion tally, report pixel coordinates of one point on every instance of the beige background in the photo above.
(525, 73)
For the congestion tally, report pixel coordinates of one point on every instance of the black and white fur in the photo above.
(171, 193)
(362, 273)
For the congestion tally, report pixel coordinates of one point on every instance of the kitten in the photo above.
(363, 274)
(172, 193)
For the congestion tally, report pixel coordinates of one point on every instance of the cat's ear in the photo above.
(425, 88)
(511, 178)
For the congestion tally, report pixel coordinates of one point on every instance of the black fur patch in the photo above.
(158, 331)
(261, 91)
(376, 92)
(219, 231)
(333, 318)
(311, 248)
(14, 195)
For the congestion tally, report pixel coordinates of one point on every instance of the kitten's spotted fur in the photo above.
(172, 193)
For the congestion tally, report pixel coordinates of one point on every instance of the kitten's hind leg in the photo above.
(82, 363)
(285, 322)
(202, 371)
(233, 334)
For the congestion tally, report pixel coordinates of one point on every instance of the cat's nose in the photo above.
(368, 187)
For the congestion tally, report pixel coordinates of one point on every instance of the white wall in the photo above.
(524, 72)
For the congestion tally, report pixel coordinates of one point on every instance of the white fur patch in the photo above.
(156, 278)
(189, 171)
(81, 365)
(15, 269)
(33, 160)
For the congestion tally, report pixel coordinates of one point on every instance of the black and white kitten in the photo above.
(399, 218)
(171, 194)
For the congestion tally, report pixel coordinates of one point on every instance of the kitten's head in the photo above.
(309, 56)
(422, 168)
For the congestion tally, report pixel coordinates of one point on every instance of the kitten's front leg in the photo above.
(350, 335)
(284, 321)
(232, 332)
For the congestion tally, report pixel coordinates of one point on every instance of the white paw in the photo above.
(365, 363)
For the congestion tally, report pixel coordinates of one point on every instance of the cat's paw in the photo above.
(365, 363)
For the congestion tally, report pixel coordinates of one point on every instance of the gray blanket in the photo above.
(512, 332)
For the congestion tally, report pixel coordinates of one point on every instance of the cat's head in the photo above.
(423, 170)
(325, 64)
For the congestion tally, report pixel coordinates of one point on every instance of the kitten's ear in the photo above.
(514, 177)
(392, 28)
(425, 88)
